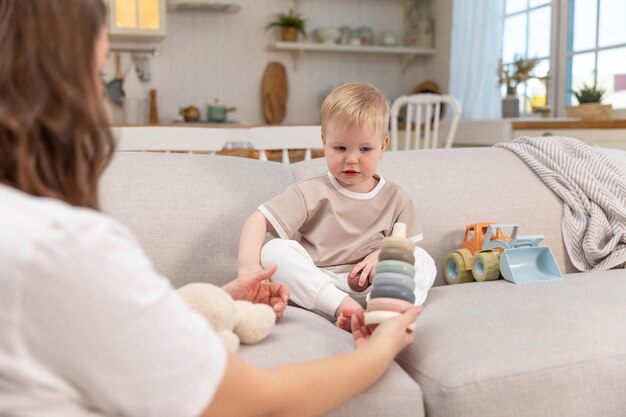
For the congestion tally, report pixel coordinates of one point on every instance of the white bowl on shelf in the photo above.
(326, 35)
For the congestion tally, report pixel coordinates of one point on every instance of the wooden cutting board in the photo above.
(274, 91)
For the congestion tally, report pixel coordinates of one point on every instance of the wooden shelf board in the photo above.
(372, 49)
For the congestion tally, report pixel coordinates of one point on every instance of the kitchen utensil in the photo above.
(190, 113)
(114, 87)
(389, 38)
(133, 111)
(345, 34)
(217, 113)
(366, 35)
(154, 114)
(134, 97)
(327, 35)
(274, 91)
(142, 64)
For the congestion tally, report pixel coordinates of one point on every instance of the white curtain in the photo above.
(475, 51)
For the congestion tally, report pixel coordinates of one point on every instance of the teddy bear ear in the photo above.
(253, 322)
(230, 340)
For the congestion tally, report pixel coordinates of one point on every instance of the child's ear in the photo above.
(385, 143)
(324, 139)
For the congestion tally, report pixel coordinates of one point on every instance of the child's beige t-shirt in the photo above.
(338, 226)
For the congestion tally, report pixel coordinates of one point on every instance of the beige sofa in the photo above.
(481, 349)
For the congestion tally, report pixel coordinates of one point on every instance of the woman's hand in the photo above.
(257, 288)
(391, 334)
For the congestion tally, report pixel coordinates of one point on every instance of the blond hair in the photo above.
(355, 105)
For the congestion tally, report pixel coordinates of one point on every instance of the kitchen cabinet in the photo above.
(137, 20)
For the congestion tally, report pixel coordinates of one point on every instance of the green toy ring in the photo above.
(397, 267)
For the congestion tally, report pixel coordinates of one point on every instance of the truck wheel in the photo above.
(486, 266)
(455, 270)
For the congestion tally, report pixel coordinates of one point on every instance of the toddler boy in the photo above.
(330, 227)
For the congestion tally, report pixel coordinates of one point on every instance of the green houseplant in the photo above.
(290, 24)
(589, 94)
(589, 103)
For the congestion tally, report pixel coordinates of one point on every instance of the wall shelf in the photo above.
(406, 53)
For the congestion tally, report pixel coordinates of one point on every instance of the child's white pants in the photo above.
(323, 289)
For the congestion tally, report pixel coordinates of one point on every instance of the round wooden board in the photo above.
(274, 91)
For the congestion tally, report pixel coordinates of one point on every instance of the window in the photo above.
(596, 49)
(137, 14)
(527, 34)
(589, 46)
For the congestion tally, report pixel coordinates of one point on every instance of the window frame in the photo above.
(560, 54)
(566, 22)
(554, 35)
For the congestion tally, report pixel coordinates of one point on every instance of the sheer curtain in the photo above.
(475, 51)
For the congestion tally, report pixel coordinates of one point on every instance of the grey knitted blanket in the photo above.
(593, 190)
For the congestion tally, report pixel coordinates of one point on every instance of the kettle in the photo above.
(217, 113)
(190, 113)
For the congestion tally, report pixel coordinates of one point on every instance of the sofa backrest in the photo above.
(452, 188)
(187, 210)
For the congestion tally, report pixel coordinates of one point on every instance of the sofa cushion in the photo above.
(188, 210)
(452, 188)
(301, 335)
(543, 349)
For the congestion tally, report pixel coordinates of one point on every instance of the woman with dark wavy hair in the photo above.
(87, 326)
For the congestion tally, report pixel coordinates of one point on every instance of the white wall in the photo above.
(213, 55)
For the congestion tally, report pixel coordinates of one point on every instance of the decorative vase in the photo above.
(510, 103)
(289, 34)
(420, 33)
(510, 106)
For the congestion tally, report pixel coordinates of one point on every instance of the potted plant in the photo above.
(589, 104)
(290, 24)
(512, 75)
(420, 26)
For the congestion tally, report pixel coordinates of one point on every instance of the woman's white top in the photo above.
(87, 326)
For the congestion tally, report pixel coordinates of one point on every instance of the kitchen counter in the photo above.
(568, 124)
(605, 133)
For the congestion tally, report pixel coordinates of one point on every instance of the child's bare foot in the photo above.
(345, 311)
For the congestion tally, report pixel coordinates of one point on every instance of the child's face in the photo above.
(352, 155)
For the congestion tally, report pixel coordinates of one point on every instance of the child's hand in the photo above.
(362, 274)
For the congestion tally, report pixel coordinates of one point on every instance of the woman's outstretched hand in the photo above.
(257, 288)
(390, 334)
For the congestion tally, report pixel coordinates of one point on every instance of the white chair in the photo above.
(422, 111)
(285, 138)
(157, 138)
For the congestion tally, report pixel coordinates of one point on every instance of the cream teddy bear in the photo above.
(234, 321)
